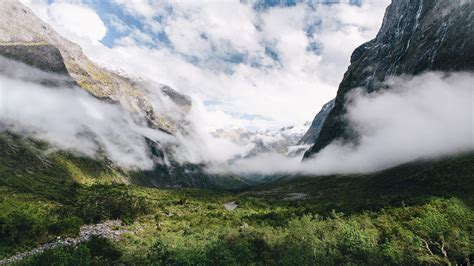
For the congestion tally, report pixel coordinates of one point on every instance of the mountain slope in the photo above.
(411, 183)
(22, 31)
(390, 213)
(415, 36)
(31, 51)
(311, 136)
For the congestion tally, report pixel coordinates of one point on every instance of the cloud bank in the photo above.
(71, 119)
(421, 117)
(248, 67)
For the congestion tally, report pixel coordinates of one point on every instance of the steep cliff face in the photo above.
(311, 136)
(416, 36)
(26, 38)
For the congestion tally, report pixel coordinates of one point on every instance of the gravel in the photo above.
(108, 229)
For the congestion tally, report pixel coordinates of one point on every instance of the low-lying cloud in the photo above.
(422, 117)
(71, 119)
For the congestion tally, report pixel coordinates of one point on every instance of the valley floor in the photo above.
(419, 213)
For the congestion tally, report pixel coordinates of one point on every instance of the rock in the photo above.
(416, 36)
(296, 196)
(109, 229)
(230, 206)
(311, 136)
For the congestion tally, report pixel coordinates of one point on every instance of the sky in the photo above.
(247, 64)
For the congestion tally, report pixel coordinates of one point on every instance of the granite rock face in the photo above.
(311, 136)
(416, 36)
(45, 57)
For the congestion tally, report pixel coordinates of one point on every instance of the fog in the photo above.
(71, 119)
(423, 117)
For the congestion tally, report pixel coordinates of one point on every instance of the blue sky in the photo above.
(110, 12)
(253, 64)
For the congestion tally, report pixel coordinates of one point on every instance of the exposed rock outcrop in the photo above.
(311, 136)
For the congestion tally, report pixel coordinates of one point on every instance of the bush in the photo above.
(23, 226)
(69, 226)
(71, 256)
(102, 202)
(244, 248)
(97, 251)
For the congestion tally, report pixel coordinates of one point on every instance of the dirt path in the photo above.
(108, 229)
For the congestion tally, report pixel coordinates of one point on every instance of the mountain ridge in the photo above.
(19, 27)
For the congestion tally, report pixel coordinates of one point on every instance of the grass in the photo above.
(412, 183)
(411, 214)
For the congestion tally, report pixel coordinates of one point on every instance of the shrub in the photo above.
(102, 202)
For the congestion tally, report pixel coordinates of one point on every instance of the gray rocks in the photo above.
(42, 56)
(230, 206)
(108, 229)
(311, 136)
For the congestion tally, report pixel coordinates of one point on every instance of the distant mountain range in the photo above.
(283, 141)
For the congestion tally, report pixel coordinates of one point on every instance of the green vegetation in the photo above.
(406, 215)
(97, 251)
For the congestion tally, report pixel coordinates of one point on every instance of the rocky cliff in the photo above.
(416, 36)
(311, 136)
(26, 38)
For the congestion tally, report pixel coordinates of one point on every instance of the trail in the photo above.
(107, 230)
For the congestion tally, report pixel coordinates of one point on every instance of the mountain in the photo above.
(26, 38)
(282, 141)
(32, 51)
(415, 36)
(311, 136)
(60, 208)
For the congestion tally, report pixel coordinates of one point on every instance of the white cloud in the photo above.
(77, 22)
(141, 8)
(421, 117)
(118, 24)
(71, 119)
(288, 91)
(72, 19)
